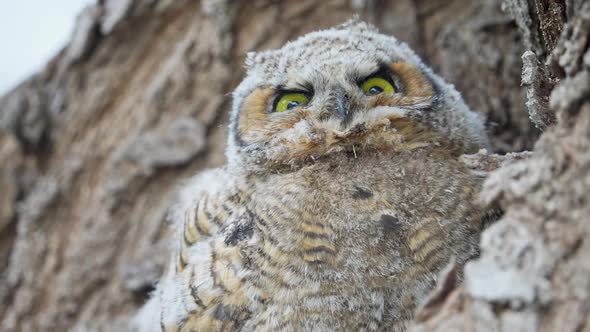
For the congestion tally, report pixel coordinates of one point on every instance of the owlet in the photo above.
(342, 199)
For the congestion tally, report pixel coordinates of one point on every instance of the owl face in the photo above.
(348, 88)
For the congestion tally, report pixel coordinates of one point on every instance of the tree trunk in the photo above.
(534, 270)
(93, 148)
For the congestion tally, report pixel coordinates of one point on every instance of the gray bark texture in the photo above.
(94, 147)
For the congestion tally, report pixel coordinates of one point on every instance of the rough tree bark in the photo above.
(534, 270)
(93, 148)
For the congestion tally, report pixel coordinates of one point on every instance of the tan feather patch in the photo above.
(415, 83)
(253, 114)
(417, 87)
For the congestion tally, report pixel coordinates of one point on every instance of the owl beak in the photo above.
(342, 106)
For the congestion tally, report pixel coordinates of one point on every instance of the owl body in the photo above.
(302, 251)
(342, 200)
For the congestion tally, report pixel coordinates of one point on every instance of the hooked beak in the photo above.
(342, 105)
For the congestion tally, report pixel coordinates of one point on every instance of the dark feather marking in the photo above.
(194, 292)
(242, 231)
(261, 254)
(436, 259)
(263, 229)
(390, 224)
(361, 193)
(196, 221)
(227, 209)
(313, 235)
(227, 313)
(196, 297)
(295, 212)
(182, 253)
(320, 249)
(271, 278)
(316, 223)
(210, 216)
(182, 264)
(186, 241)
(212, 271)
(217, 221)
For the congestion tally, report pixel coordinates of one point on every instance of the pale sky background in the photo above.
(31, 32)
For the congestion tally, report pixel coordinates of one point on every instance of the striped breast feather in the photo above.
(203, 209)
(187, 294)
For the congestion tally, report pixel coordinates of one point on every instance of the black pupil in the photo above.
(292, 104)
(375, 90)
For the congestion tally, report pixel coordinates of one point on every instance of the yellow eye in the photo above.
(376, 85)
(291, 100)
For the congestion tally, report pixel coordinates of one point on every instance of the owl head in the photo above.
(348, 88)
